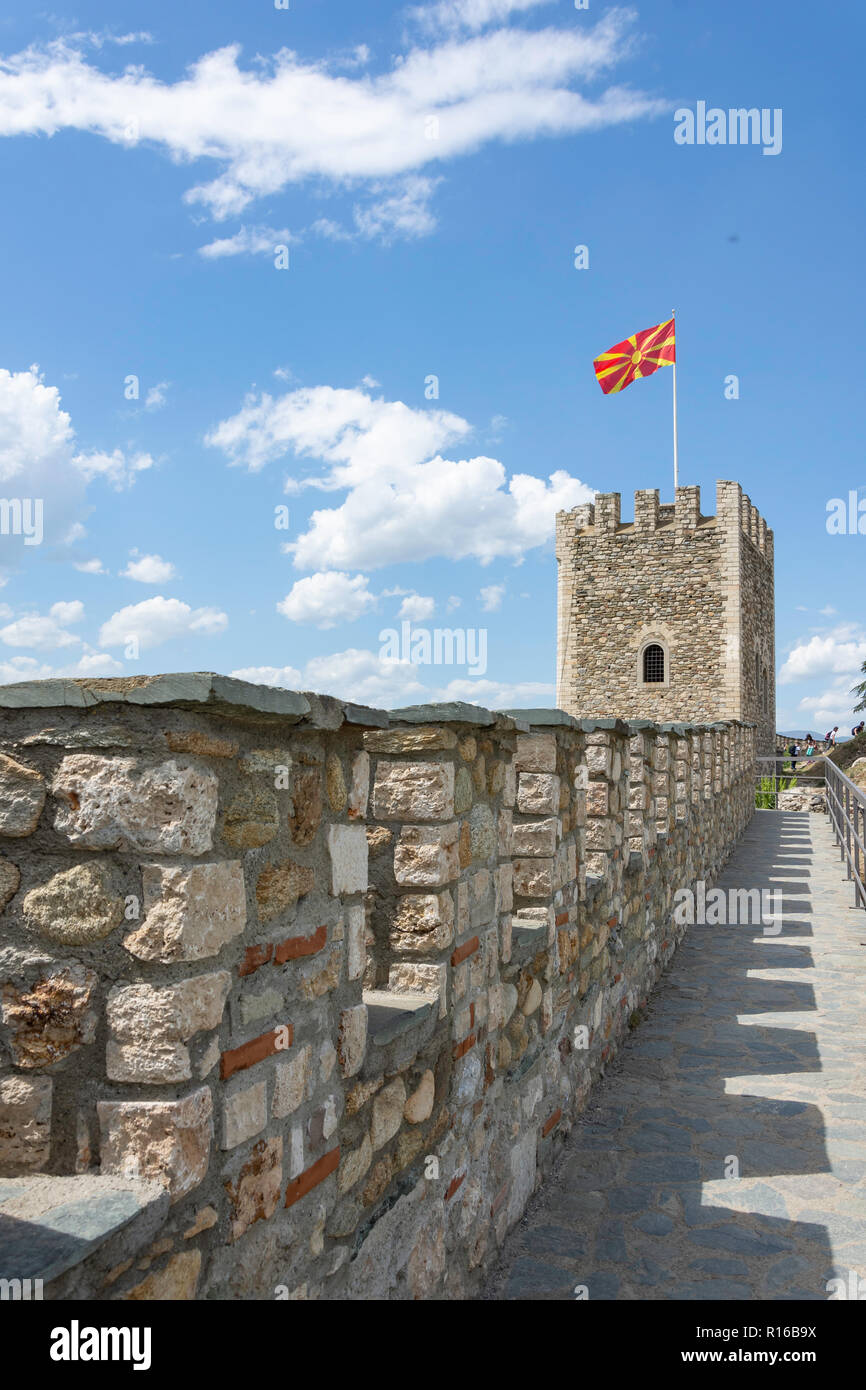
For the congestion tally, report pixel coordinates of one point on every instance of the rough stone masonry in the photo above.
(698, 587)
(331, 983)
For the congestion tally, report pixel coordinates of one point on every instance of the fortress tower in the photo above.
(669, 617)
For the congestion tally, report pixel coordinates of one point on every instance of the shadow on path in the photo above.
(751, 1061)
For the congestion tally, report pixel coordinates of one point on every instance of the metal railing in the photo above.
(784, 773)
(846, 803)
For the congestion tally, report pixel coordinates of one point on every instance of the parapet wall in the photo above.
(603, 517)
(334, 982)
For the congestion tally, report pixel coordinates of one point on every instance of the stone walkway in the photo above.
(754, 1050)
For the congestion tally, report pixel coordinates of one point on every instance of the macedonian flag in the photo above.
(637, 356)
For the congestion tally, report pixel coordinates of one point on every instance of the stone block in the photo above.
(200, 743)
(419, 1105)
(252, 818)
(598, 760)
(128, 804)
(150, 1024)
(536, 838)
(533, 878)
(413, 791)
(352, 1039)
(22, 796)
(354, 1165)
(347, 846)
(483, 835)
(10, 879)
(597, 799)
(279, 887)
(175, 1283)
(387, 1115)
(76, 907)
(463, 792)
(189, 914)
(424, 921)
(292, 1082)
(25, 1123)
(245, 1114)
(307, 804)
(535, 753)
(255, 1194)
(356, 941)
(153, 1140)
(427, 856)
(51, 1018)
(538, 793)
(426, 740)
(335, 784)
(360, 789)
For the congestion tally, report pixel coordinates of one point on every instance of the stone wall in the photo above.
(337, 981)
(699, 586)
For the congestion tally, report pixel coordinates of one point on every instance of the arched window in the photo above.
(654, 664)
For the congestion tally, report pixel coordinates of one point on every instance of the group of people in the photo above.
(830, 738)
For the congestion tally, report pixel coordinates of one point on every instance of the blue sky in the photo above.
(429, 170)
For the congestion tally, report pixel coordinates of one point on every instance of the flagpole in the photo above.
(676, 462)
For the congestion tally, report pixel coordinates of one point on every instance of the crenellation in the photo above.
(311, 1023)
(698, 588)
(607, 513)
(646, 509)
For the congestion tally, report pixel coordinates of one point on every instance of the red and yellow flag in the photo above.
(639, 355)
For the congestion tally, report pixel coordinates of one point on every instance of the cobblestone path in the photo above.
(754, 1049)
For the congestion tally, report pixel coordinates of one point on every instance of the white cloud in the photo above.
(40, 458)
(366, 678)
(157, 620)
(405, 501)
(149, 569)
(44, 633)
(400, 212)
(289, 120)
(156, 396)
(328, 598)
(284, 676)
(90, 567)
(116, 468)
(842, 650)
(491, 597)
(249, 241)
(501, 694)
(417, 608)
(453, 15)
(67, 612)
(453, 602)
(28, 668)
(833, 706)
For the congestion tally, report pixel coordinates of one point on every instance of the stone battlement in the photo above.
(300, 998)
(680, 518)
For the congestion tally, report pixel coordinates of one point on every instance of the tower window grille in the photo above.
(654, 664)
